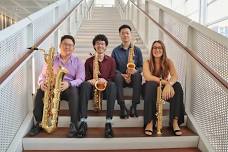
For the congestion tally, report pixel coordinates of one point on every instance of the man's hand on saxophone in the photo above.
(92, 81)
(43, 86)
(102, 80)
(64, 85)
(127, 76)
(131, 71)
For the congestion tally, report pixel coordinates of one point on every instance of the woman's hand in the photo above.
(168, 92)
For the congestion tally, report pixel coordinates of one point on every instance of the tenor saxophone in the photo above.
(52, 94)
(99, 86)
(130, 64)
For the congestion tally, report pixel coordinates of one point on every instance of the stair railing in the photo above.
(20, 67)
(201, 58)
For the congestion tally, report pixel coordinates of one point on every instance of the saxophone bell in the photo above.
(130, 66)
(101, 86)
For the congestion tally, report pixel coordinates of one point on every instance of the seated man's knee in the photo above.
(85, 84)
(137, 76)
(112, 86)
(73, 90)
(118, 77)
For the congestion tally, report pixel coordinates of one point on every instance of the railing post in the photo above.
(137, 14)
(188, 77)
(32, 86)
(146, 40)
(161, 22)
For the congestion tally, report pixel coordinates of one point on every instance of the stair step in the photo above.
(124, 150)
(128, 103)
(119, 132)
(111, 45)
(123, 137)
(88, 50)
(64, 112)
(99, 121)
(108, 32)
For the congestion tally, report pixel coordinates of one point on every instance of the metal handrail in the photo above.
(189, 51)
(29, 52)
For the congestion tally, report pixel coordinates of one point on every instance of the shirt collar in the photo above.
(59, 58)
(121, 46)
(105, 57)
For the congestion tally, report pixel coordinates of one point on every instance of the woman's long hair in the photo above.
(164, 71)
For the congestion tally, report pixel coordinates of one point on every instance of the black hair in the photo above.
(68, 37)
(123, 27)
(100, 37)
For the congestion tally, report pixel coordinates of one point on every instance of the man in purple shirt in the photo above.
(107, 68)
(69, 86)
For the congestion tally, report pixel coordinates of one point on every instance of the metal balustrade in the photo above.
(205, 96)
(206, 92)
(18, 81)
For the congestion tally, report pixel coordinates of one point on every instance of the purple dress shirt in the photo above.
(76, 70)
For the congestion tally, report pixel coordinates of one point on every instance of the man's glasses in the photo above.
(69, 45)
(100, 43)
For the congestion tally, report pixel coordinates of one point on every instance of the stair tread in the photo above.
(65, 112)
(130, 150)
(119, 132)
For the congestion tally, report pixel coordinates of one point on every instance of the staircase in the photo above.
(129, 133)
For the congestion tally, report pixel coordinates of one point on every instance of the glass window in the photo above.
(194, 16)
(221, 27)
(192, 6)
(209, 1)
(217, 10)
(105, 3)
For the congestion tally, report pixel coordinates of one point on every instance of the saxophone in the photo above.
(52, 94)
(130, 64)
(159, 107)
(99, 86)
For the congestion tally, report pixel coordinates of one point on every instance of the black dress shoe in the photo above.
(108, 130)
(72, 131)
(123, 112)
(133, 111)
(82, 130)
(35, 130)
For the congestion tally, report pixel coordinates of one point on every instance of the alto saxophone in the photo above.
(159, 107)
(130, 64)
(52, 93)
(99, 86)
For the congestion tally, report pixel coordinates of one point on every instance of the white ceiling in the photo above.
(19, 9)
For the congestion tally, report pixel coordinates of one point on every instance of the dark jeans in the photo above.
(150, 98)
(86, 93)
(71, 95)
(136, 80)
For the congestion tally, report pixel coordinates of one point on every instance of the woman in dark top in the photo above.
(159, 66)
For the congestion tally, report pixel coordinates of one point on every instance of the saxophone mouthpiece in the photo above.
(33, 48)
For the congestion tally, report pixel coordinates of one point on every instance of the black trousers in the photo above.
(150, 97)
(136, 81)
(86, 93)
(71, 95)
